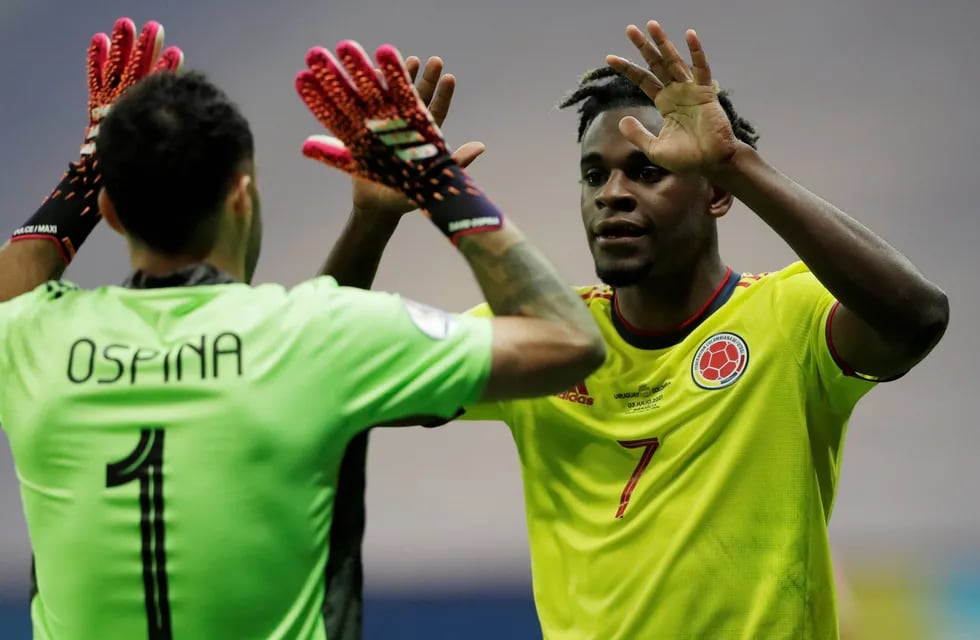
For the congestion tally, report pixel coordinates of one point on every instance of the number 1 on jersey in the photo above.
(649, 446)
(145, 464)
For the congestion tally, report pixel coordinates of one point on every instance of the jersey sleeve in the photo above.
(482, 410)
(804, 310)
(11, 312)
(398, 358)
(8, 311)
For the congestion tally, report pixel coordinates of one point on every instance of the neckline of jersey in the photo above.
(194, 275)
(663, 339)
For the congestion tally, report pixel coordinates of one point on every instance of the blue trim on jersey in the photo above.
(671, 338)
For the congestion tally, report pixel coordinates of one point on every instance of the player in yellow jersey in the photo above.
(683, 490)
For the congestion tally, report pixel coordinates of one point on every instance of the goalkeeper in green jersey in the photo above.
(42, 247)
(178, 439)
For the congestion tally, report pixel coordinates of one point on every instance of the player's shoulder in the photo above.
(312, 285)
(324, 291)
(54, 290)
(322, 298)
(49, 291)
(792, 290)
(796, 272)
(27, 307)
(596, 294)
(314, 293)
(748, 279)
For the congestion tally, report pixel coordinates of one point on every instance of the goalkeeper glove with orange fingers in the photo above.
(69, 214)
(385, 134)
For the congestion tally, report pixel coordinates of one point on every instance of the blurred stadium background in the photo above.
(871, 103)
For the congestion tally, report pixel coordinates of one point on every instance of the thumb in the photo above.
(331, 152)
(639, 135)
(467, 153)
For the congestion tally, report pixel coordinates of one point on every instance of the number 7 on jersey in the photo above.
(649, 446)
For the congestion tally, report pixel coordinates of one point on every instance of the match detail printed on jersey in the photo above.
(720, 361)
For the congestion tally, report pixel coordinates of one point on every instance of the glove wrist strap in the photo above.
(456, 205)
(68, 215)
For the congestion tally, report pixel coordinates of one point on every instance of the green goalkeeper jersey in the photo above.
(178, 446)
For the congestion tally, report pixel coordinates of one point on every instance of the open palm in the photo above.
(436, 91)
(697, 136)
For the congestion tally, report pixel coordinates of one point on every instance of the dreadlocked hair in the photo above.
(604, 88)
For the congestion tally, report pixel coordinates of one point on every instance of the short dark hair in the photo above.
(167, 153)
(604, 88)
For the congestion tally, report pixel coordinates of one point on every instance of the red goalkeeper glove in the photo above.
(69, 214)
(385, 134)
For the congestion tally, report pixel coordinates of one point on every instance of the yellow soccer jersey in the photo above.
(683, 490)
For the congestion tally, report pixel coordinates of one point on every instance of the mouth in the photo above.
(618, 231)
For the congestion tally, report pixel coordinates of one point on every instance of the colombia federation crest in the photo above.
(720, 361)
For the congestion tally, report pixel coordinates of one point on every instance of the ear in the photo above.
(719, 201)
(240, 197)
(108, 210)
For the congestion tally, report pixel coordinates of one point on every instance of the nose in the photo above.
(615, 195)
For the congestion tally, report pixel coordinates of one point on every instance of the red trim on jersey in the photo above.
(681, 326)
(846, 369)
(594, 293)
(843, 366)
(749, 279)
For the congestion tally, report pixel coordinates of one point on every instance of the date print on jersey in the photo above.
(720, 361)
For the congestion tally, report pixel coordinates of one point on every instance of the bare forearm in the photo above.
(517, 280)
(544, 337)
(26, 264)
(354, 258)
(868, 276)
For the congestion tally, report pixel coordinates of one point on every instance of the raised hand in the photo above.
(436, 90)
(118, 63)
(68, 215)
(385, 134)
(697, 136)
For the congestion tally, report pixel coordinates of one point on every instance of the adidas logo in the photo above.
(578, 394)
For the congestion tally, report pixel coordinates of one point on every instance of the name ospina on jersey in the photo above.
(578, 394)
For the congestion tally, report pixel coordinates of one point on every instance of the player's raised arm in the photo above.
(890, 316)
(354, 258)
(41, 248)
(543, 339)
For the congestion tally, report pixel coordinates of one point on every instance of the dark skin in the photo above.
(26, 264)
(890, 316)
(652, 233)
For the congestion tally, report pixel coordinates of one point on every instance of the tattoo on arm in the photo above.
(517, 280)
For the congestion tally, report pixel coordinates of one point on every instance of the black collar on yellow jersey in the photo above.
(194, 275)
(663, 339)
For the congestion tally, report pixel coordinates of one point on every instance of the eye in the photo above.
(650, 173)
(593, 177)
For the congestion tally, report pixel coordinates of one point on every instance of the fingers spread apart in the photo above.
(118, 61)
(664, 63)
